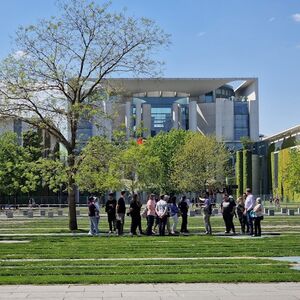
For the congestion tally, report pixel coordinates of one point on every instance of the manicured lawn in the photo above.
(194, 258)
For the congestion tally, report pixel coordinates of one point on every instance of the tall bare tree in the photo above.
(51, 78)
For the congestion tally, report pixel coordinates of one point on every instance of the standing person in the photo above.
(228, 210)
(92, 217)
(97, 205)
(240, 212)
(135, 213)
(161, 210)
(173, 208)
(121, 210)
(259, 215)
(150, 213)
(184, 208)
(110, 208)
(156, 221)
(249, 205)
(207, 211)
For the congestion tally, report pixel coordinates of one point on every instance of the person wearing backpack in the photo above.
(207, 212)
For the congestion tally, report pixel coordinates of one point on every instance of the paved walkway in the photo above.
(207, 291)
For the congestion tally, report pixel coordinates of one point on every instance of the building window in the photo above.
(241, 120)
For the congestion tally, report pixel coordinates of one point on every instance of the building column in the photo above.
(147, 120)
(138, 108)
(128, 118)
(175, 115)
(193, 115)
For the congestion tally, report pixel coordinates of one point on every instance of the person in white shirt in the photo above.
(249, 205)
(161, 210)
(258, 209)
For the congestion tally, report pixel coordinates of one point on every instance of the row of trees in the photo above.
(173, 162)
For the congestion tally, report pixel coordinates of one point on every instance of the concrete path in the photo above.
(207, 291)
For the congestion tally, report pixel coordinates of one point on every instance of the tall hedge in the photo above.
(239, 172)
(247, 169)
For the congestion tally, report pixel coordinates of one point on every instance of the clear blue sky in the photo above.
(212, 38)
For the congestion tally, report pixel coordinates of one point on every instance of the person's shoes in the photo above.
(90, 234)
(226, 232)
(131, 234)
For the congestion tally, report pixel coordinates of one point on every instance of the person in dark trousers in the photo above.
(110, 208)
(151, 214)
(161, 211)
(249, 205)
(92, 217)
(121, 210)
(259, 215)
(242, 218)
(135, 213)
(184, 208)
(228, 211)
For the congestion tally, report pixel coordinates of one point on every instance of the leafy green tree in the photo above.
(164, 146)
(53, 80)
(199, 163)
(16, 173)
(292, 171)
(33, 143)
(136, 169)
(93, 173)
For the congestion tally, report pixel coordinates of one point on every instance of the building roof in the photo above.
(283, 134)
(194, 87)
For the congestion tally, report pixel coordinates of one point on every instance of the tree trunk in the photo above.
(72, 189)
(72, 206)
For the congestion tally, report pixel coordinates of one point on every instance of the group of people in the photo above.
(158, 212)
(161, 212)
(164, 212)
(249, 211)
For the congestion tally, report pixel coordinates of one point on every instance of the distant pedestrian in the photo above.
(173, 209)
(110, 208)
(207, 212)
(259, 215)
(151, 214)
(161, 210)
(184, 208)
(135, 213)
(121, 211)
(249, 205)
(92, 217)
(228, 211)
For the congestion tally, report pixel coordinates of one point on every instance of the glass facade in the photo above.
(84, 133)
(161, 112)
(241, 120)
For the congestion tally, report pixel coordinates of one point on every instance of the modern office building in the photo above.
(224, 107)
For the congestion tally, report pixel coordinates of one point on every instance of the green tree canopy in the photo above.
(199, 163)
(16, 173)
(164, 146)
(60, 70)
(93, 173)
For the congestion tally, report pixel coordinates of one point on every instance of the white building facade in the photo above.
(210, 106)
